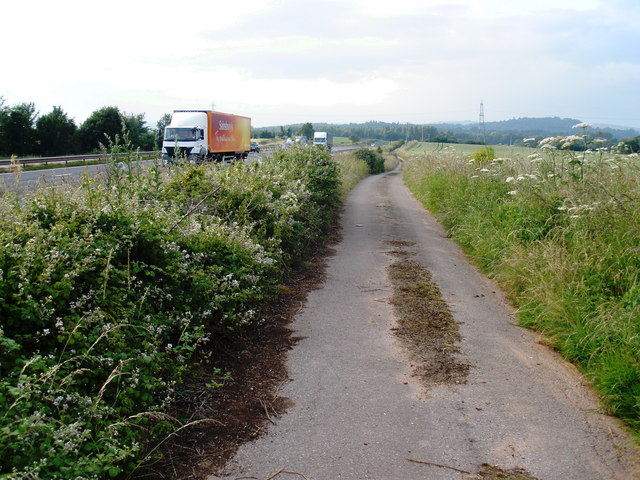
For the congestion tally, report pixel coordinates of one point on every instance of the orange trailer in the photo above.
(206, 135)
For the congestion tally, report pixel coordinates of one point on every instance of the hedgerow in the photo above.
(109, 289)
(373, 158)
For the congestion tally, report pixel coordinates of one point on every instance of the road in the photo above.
(359, 414)
(27, 180)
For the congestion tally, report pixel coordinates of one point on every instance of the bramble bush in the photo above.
(373, 158)
(559, 231)
(109, 288)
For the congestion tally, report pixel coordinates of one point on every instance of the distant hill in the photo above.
(502, 132)
(534, 126)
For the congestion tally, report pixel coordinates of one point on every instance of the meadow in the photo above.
(559, 230)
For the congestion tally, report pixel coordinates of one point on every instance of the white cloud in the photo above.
(349, 60)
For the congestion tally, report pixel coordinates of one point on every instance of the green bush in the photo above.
(484, 155)
(373, 158)
(109, 289)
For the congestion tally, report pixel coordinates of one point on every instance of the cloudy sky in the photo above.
(290, 61)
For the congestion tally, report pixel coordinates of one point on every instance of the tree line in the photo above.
(497, 133)
(24, 132)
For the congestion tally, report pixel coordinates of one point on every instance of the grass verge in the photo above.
(558, 229)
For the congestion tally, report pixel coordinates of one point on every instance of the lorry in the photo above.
(323, 138)
(199, 135)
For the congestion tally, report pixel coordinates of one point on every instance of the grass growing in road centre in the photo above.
(560, 231)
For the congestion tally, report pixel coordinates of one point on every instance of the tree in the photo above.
(630, 145)
(138, 131)
(56, 134)
(104, 123)
(306, 130)
(17, 131)
(267, 134)
(285, 133)
(161, 125)
(4, 114)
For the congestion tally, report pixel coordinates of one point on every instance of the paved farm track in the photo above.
(358, 413)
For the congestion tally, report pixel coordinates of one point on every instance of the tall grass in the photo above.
(560, 231)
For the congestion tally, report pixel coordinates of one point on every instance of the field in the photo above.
(559, 230)
(423, 148)
(342, 141)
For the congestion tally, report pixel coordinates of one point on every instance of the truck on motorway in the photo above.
(199, 135)
(323, 138)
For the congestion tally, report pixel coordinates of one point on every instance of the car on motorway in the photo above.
(255, 147)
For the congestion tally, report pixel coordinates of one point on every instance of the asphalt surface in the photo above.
(30, 179)
(357, 412)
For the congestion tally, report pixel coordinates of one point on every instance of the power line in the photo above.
(481, 123)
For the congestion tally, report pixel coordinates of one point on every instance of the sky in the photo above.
(348, 61)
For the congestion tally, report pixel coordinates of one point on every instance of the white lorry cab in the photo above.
(323, 138)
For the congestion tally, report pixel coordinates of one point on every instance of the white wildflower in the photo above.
(583, 125)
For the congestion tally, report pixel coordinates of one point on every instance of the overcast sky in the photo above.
(291, 61)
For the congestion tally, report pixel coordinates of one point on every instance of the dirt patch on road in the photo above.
(425, 327)
(490, 472)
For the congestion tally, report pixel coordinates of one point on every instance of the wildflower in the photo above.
(510, 179)
(512, 192)
(583, 125)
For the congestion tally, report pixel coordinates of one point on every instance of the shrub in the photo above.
(484, 155)
(109, 289)
(373, 158)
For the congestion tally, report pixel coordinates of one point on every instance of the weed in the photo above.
(559, 230)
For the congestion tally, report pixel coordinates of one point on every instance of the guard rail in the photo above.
(70, 158)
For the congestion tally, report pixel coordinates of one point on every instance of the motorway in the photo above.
(29, 179)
